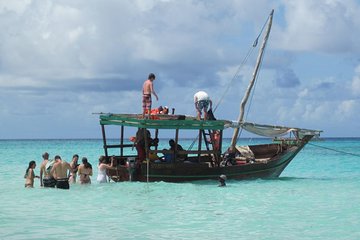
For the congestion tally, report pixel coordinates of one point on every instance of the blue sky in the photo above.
(61, 61)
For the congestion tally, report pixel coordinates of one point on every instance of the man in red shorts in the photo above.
(148, 89)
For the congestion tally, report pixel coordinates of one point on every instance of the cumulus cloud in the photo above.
(324, 26)
(286, 78)
(355, 84)
(60, 58)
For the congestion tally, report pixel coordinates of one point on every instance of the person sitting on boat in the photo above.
(229, 159)
(202, 101)
(156, 111)
(176, 147)
(165, 110)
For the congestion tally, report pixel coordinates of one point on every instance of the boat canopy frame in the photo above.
(170, 122)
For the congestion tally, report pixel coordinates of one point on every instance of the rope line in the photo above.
(335, 150)
(236, 76)
(237, 73)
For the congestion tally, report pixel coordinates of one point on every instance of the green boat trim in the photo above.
(163, 122)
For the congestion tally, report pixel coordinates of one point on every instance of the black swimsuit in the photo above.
(63, 183)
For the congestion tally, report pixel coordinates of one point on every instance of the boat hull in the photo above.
(185, 172)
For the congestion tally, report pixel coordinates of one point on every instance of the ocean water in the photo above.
(316, 197)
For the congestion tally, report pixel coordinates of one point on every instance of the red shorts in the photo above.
(146, 101)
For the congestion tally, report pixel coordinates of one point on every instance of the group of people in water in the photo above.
(60, 174)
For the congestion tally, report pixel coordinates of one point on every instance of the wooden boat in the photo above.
(207, 161)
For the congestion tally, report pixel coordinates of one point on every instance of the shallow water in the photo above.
(316, 197)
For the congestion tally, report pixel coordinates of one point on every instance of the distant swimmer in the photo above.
(59, 172)
(222, 179)
(30, 175)
(148, 89)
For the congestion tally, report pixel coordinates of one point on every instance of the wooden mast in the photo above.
(251, 84)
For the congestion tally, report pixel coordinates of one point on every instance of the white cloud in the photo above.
(345, 109)
(355, 84)
(86, 56)
(17, 6)
(324, 26)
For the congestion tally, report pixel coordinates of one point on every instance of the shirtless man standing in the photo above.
(59, 172)
(148, 89)
(42, 168)
(45, 168)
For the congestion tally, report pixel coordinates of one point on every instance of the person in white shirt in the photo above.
(202, 102)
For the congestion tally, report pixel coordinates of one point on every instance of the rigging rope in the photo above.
(335, 150)
(237, 73)
(236, 76)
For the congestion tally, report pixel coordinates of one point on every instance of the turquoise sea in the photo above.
(316, 197)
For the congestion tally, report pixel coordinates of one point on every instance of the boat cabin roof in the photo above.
(162, 122)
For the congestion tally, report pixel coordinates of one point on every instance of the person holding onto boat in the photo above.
(59, 172)
(202, 101)
(74, 168)
(30, 175)
(148, 89)
(85, 171)
(141, 144)
(141, 134)
(102, 167)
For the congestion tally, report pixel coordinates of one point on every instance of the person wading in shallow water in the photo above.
(74, 168)
(45, 178)
(148, 89)
(85, 171)
(30, 175)
(59, 172)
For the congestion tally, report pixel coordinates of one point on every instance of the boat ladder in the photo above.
(209, 143)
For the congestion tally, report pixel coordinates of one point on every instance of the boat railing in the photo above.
(195, 155)
(119, 145)
(184, 151)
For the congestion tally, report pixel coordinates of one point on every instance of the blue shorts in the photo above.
(202, 104)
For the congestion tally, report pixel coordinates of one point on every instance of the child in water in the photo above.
(30, 175)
